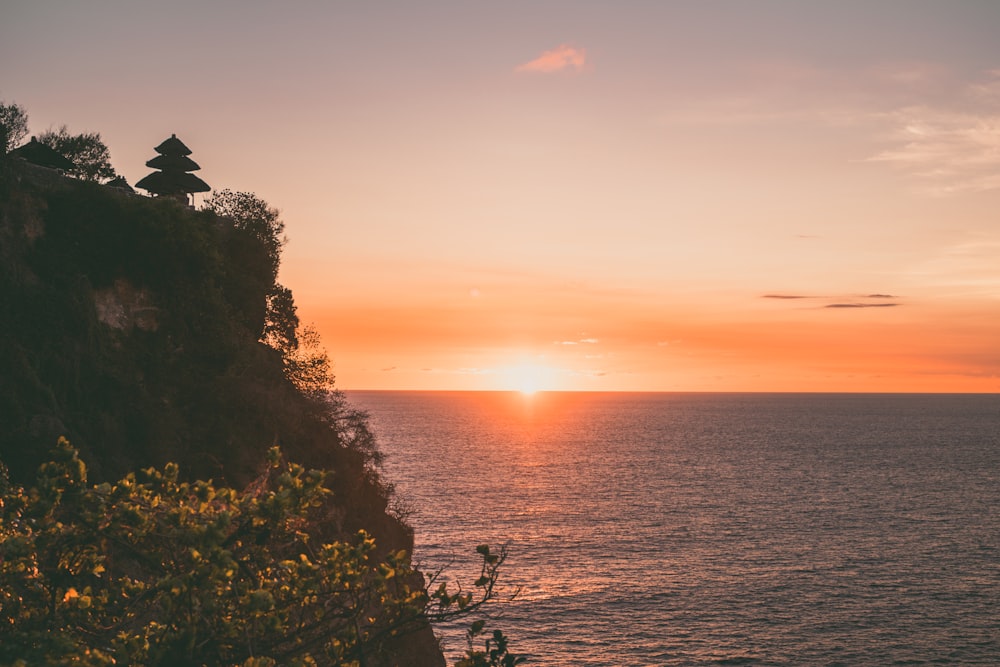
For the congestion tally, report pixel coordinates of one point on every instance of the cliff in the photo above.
(132, 326)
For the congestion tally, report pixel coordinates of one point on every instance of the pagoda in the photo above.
(174, 178)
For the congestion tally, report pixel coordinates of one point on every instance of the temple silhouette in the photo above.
(173, 177)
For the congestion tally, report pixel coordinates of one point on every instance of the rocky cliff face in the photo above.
(125, 308)
(131, 326)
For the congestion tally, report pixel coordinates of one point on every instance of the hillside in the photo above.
(132, 327)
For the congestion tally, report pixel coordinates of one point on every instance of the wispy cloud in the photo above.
(940, 127)
(967, 268)
(561, 58)
(955, 147)
(878, 298)
(581, 341)
(861, 305)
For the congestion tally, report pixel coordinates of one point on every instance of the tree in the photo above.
(281, 322)
(13, 126)
(307, 365)
(87, 151)
(252, 214)
(154, 571)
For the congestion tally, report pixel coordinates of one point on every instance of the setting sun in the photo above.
(529, 378)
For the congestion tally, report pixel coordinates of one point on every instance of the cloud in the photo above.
(582, 341)
(938, 126)
(842, 304)
(954, 147)
(968, 268)
(563, 57)
(861, 305)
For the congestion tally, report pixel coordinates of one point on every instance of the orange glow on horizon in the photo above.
(823, 350)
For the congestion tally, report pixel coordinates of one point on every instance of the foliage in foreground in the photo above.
(495, 654)
(153, 571)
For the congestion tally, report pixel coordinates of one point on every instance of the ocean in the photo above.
(711, 529)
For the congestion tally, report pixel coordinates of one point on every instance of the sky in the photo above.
(622, 196)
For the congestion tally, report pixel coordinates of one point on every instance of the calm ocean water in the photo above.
(713, 529)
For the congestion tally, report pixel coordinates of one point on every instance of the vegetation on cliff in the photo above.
(134, 327)
(157, 340)
(150, 570)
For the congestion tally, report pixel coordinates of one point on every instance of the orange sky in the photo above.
(581, 195)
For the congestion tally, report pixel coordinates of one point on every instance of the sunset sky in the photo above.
(666, 196)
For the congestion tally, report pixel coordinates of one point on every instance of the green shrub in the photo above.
(150, 570)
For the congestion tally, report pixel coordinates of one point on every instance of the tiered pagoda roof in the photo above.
(174, 177)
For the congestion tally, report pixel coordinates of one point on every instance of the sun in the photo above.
(529, 378)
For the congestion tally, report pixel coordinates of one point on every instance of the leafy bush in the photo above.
(154, 571)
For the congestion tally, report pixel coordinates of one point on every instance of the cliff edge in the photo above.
(132, 326)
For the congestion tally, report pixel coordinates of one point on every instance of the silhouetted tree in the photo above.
(13, 126)
(87, 151)
(308, 366)
(252, 214)
(282, 321)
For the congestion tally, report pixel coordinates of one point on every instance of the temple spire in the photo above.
(174, 178)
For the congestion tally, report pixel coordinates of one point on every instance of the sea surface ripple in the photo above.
(712, 529)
